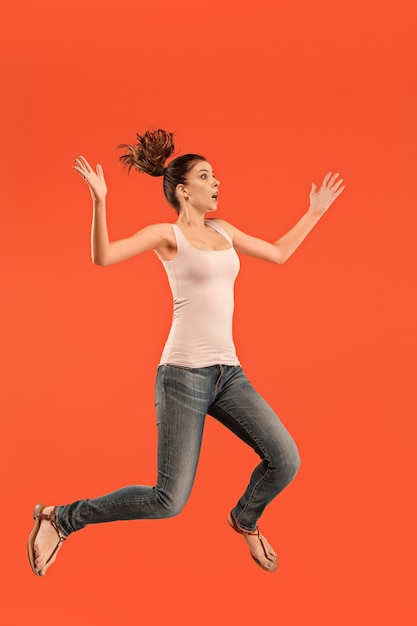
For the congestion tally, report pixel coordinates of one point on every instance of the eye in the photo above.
(203, 176)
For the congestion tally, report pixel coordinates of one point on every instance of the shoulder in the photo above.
(153, 236)
(162, 227)
(163, 239)
(229, 228)
(161, 232)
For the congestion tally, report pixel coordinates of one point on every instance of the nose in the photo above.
(216, 182)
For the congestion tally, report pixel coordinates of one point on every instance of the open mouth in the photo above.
(215, 195)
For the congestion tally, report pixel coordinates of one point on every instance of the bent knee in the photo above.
(172, 510)
(294, 464)
(289, 466)
(170, 507)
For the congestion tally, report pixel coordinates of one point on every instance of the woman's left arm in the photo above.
(283, 248)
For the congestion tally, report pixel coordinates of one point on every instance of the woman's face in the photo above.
(201, 188)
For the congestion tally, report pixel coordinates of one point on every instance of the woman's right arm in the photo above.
(103, 251)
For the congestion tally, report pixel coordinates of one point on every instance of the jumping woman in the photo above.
(199, 372)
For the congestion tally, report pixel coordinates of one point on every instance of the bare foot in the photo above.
(260, 549)
(47, 544)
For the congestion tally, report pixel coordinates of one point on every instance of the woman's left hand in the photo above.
(322, 198)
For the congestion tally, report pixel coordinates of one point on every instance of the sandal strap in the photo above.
(61, 539)
(242, 531)
(263, 545)
(251, 532)
(55, 525)
(255, 532)
(51, 517)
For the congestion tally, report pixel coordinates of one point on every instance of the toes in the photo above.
(269, 561)
(38, 560)
(260, 549)
(39, 563)
(270, 552)
(43, 567)
(46, 567)
(44, 547)
(268, 557)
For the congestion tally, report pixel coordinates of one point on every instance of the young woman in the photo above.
(199, 372)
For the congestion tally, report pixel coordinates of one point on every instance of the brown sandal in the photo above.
(274, 564)
(38, 516)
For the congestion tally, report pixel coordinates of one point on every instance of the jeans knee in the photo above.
(294, 465)
(172, 510)
(287, 468)
(170, 507)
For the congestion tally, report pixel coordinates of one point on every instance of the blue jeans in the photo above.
(183, 398)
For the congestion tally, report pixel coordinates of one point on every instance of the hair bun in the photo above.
(150, 152)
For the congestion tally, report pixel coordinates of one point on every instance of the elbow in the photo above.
(99, 261)
(100, 257)
(280, 259)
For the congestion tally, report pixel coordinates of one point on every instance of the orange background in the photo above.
(273, 93)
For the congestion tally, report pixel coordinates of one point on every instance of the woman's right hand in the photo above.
(94, 179)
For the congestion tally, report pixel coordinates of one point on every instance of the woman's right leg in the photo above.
(181, 413)
(182, 400)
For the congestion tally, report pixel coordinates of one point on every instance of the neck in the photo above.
(189, 218)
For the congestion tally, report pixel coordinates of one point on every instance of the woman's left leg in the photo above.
(241, 409)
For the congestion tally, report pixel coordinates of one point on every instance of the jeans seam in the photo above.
(253, 492)
(163, 487)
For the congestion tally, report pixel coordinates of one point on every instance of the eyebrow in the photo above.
(204, 170)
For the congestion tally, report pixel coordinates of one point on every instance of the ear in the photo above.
(181, 191)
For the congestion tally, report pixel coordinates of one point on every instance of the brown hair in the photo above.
(148, 156)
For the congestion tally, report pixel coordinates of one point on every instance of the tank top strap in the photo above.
(179, 236)
(220, 230)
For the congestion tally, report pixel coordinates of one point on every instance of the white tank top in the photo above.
(202, 284)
